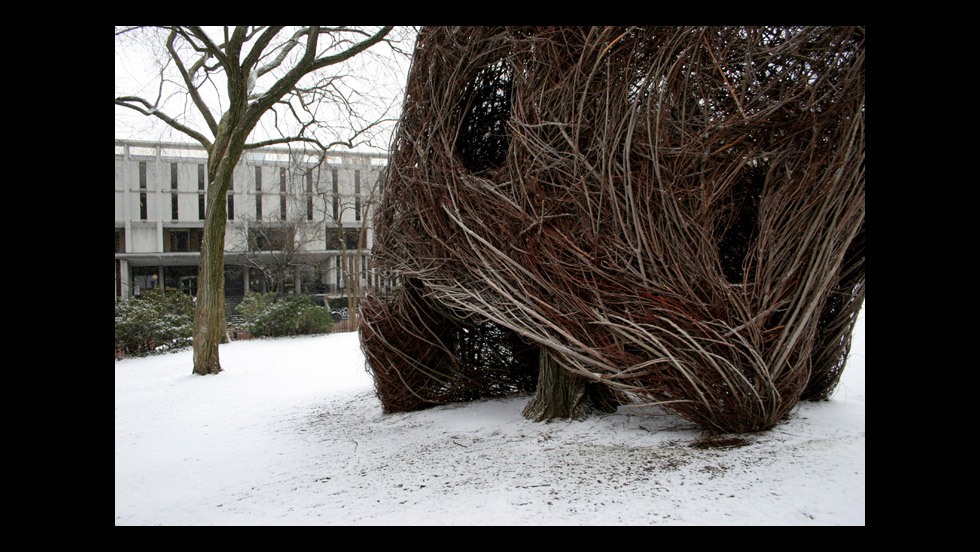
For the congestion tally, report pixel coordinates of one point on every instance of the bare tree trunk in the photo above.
(209, 317)
(354, 290)
(560, 395)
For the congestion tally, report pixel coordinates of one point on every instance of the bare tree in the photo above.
(280, 236)
(277, 248)
(217, 86)
(352, 241)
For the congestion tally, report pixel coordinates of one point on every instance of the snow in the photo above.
(291, 433)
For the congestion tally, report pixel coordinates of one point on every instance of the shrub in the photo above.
(268, 316)
(155, 321)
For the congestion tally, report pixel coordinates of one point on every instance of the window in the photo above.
(231, 199)
(179, 240)
(258, 193)
(258, 241)
(120, 240)
(143, 213)
(336, 191)
(200, 191)
(174, 214)
(270, 239)
(309, 195)
(349, 235)
(357, 195)
(282, 193)
(182, 240)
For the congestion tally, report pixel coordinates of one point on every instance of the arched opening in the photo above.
(483, 137)
(742, 231)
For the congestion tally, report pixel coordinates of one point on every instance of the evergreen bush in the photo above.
(156, 321)
(268, 316)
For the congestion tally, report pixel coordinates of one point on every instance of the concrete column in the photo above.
(125, 278)
(245, 279)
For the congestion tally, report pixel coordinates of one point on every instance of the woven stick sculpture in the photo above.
(674, 216)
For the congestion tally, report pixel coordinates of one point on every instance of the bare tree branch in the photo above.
(146, 108)
(188, 82)
(284, 50)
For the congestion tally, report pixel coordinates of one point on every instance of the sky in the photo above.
(292, 433)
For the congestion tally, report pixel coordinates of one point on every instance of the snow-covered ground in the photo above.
(291, 433)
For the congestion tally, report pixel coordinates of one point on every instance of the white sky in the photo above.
(291, 433)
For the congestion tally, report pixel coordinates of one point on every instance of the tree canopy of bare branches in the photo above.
(675, 214)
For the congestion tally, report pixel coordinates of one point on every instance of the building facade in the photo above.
(297, 223)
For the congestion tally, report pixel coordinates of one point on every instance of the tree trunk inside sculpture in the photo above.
(560, 395)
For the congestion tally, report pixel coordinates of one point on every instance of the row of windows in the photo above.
(282, 180)
(282, 207)
(174, 206)
(174, 203)
(258, 179)
(201, 205)
(326, 277)
(174, 241)
(188, 240)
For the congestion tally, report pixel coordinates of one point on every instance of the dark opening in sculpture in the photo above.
(648, 214)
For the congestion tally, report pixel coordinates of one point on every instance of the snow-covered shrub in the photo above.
(268, 316)
(154, 319)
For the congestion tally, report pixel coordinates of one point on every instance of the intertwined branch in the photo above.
(676, 213)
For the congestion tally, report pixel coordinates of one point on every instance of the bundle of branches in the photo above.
(673, 213)
(422, 357)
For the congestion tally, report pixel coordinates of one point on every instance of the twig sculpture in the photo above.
(670, 215)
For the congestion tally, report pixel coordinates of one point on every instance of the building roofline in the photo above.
(301, 149)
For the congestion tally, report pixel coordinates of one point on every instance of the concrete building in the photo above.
(293, 221)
